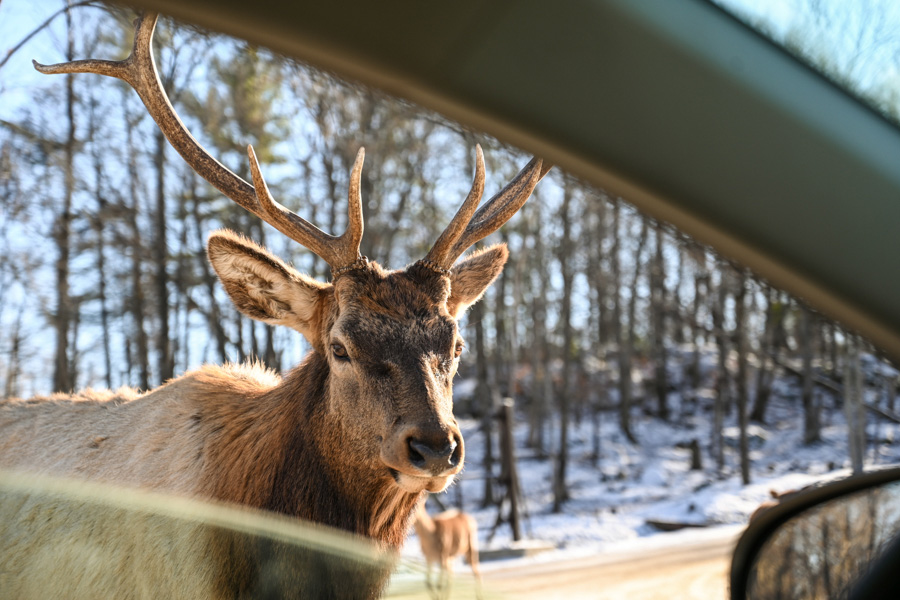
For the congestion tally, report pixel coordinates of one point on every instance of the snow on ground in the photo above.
(611, 502)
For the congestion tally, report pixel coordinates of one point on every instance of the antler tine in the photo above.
(440, 253)
(285, 221)
(517, 190)
(352, 237)
(490, 217)
(501, 207)
(340, 253)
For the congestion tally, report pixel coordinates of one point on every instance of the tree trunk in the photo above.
(99, 230)
(598, 278)
(811, 409)
(62, 231)
(542, 384)
(484, 398)
(722, 377)
(560, 492)
(677, 313)
(624, 353)
(501, 337)
(73, 350)
(627, 348)
(14, 363)
(765, 374)
(740, 318)
(519, 266)
(214, 315)
(658, 318)
(833, 350)
(165, 368)
(599, 287)
(698, 333)
(181, 349)
(853, 400)
(136, 300)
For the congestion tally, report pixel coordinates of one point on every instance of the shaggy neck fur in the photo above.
(306, 478)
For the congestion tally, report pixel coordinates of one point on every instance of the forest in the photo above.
(601, 310)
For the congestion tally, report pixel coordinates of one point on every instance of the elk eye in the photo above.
(339, 352)
(459, 349)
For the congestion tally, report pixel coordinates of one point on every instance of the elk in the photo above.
(443, 537)
(776, 499)
(351, 438)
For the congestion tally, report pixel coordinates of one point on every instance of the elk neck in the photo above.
(281, 452)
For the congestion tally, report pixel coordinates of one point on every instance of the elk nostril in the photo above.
(457, 454)
(415, 454)
(435, 458)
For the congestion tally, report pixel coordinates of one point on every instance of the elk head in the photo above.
(390, 338)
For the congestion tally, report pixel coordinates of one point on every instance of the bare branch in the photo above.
(41, 27)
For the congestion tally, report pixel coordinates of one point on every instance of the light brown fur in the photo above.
(444, 537)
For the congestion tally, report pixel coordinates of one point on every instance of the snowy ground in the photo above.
(611, 503)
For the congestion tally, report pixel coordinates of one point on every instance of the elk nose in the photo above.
(436, 457)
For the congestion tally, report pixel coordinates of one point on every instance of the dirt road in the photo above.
(696, 570)
(682, 568)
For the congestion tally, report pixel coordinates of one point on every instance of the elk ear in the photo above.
(262, 286)
(470, 278)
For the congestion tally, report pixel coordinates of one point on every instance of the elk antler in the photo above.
(468, 226)
(139, 71)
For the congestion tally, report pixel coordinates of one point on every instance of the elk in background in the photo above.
(352, 437)
(777, 498)
(443, 537)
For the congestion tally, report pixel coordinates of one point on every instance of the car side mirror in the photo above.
(840, 540)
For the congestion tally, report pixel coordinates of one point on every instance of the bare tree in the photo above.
(139, 343)
(542, 380)
(14, 362)
(740, 326)
(658, 321)
(62, 233)
(853, 404)
(701, 293)
(99, 226)
(567, 268)
(598, 278)
(627, 337)
(486, 401)
(765, 374)
(723, 396)
(811, 409)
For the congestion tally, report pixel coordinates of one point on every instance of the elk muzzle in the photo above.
(424, 457)
(436, 459)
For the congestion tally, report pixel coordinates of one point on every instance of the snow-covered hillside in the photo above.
(631, 484)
